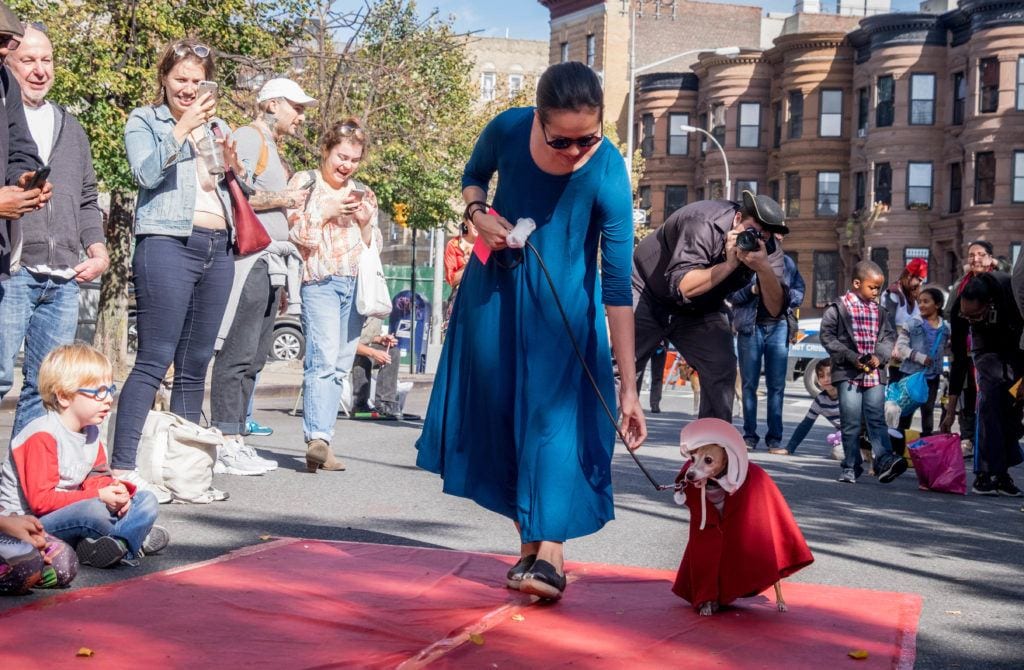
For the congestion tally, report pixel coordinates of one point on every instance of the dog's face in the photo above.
(708, 462)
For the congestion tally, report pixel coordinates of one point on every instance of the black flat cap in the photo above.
(9, 23)
(767, 212)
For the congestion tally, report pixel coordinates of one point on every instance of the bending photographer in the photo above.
(683, 273)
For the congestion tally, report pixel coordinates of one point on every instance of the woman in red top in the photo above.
(456, 256)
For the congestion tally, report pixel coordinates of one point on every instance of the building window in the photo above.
(718, 122)
(678, 139)
(883, 183)
(880, 257)
(777, 133)
(645, 200)
(831, 122)
(647, 143)
(564, 50)
(1014, 253)
(826, 278)
(591, 50)
(922, 99)
(773, 189)
(959, 97)
(910, 253)
(675, 198)
(749, 134)
(796, 115)
(1018, 176)
(515, 85)
(792, 194)
(703, 138)
(1020, 83)
(700, 193)
(956, 187)
(487, 85)
(988, 77)
(886, 102)
(745, 185)
(984, 177)
(919, 185)
(715, 191)
(860, 180)
(828, 194)
(863, 108)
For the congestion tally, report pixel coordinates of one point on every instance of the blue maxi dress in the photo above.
(513, 423)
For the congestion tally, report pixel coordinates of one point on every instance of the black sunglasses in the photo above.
(561, 143)
(9, 42)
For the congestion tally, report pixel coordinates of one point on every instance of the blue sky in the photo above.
(527, 19)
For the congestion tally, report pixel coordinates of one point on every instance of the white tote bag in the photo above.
(372, 297)
(178, 455)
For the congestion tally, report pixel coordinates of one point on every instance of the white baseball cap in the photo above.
(287, 89)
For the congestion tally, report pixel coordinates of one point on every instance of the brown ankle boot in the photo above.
(332, 462)
(320, 457)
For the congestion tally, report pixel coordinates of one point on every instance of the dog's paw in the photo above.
(782, 607)
(708, 608)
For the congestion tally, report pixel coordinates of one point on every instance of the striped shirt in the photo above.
(825, 406)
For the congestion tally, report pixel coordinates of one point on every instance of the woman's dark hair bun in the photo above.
(570, 86)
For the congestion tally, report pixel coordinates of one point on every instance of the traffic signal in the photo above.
(401, 213)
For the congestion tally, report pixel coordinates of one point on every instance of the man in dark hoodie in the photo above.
(40, 305)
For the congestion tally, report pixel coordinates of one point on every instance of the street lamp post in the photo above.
(725, 161)
(634, 71)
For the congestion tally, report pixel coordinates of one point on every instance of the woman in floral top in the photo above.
(338, 222)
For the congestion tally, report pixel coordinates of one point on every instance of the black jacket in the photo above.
(18, 153)
(1001, 335)
(836, 336)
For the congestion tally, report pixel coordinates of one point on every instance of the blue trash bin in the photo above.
(400, 326)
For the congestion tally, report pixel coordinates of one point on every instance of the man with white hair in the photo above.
(247, 330)
(40, 304)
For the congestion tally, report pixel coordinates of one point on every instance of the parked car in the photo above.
(289, 343)
(805, 354)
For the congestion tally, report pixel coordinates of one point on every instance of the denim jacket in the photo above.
(912, 347)
(165, 173)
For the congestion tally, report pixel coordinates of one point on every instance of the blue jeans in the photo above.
(91, 518)
(769, 342)
(855, 403)
(42, 312)
(181, 290)
(332, 327)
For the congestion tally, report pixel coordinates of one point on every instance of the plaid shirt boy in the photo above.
(864, 316)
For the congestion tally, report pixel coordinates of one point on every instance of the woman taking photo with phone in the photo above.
(513, 422)
(338, 221)
(182, 265)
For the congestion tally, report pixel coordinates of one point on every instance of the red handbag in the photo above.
(250, 235)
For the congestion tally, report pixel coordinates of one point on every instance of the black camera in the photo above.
(748, 239)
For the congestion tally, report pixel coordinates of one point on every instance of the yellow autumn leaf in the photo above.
(859, 654)
(518, 617)
(84, 651)
(476, 638)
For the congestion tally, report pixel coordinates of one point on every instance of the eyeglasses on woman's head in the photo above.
(181, 49)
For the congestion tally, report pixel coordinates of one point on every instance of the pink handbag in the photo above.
(939, 463)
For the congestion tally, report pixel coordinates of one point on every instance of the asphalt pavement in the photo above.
(964, 555)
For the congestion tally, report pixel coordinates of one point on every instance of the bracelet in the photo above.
(470, 212)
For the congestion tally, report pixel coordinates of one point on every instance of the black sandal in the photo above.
(544, 581)
(514, 577)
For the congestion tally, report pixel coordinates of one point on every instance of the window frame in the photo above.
(563, 52)
(863, 110)
(818, 192)
(591, 49)
(796, 118)
(885, 110)
(741, 182)
(514, 89)
(719, 131)
(978, 180)
(1020, 83)
(956, 186)
(959, 103)
(822, 113)
(792, 194)
(817, 279)
(877, 177)
(647, 126)
(773, 189)
(740, 126)
(931, 100)
(673, 125)
(702, 119)
(716, 185)
(777, 124)
(488, 94)
(931, 184)
(860, 190)
(1017, 177)
(685, 193)
(988, 89)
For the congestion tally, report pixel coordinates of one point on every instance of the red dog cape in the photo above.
(754, 543)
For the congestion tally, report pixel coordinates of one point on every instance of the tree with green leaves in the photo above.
(105, 53)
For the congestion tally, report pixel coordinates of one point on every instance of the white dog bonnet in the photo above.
(706, 431)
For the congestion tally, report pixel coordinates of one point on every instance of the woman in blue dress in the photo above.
(513, 422)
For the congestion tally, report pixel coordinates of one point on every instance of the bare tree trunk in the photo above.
(112, 322)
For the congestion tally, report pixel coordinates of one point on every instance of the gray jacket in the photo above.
(71, 220)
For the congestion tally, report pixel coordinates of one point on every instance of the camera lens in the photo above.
(747, 240)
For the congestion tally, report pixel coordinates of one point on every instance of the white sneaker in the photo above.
(163, 496)
(251, 454)
(231, 460)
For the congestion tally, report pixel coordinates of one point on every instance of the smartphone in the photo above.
(357, 193)
(207, 87)
(39, 178)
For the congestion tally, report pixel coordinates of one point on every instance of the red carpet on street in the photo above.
(313, 604)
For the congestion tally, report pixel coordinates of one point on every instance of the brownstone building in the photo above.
(889, 137)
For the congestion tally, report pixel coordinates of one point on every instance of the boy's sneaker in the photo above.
(163, 496)
(157, 540)
(231, 461)
(893, 468)
(101, 552)
(1005, 486)
(751, 442)
(984, 486)
(848, 476)
(253, 428)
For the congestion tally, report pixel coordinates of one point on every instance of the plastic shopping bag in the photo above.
(939, 463)
(909, 393)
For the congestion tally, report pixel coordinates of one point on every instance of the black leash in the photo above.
(590, 375)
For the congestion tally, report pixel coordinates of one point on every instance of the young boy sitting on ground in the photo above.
(29, 558)
(57, 468)
(826, 404)
(859, 338)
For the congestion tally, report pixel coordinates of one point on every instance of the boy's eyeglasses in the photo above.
(9, 42)
(199, 50)
(561, 143)
(101, 393)
(346, 130)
